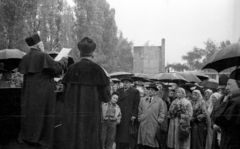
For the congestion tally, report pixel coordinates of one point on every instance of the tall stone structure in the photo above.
(149, 59)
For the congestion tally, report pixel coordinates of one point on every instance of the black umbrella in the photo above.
(140, 77)
(11, 58)
(170, 77)
(225, 58)
(120, 74)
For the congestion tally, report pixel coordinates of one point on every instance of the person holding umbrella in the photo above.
(216, 129)
(38, 97)
(227, 114)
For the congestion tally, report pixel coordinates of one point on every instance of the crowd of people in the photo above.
(185, 116)
(100, 114)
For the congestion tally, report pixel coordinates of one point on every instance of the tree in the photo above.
(12, 22)
(193, 58)
(197, 58)
(63, 26)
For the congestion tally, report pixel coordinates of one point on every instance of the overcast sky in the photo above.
(183, 23)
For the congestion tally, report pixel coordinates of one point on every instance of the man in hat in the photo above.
(227, 114)
(86, 85)
(150, 116)
(38, 97)
(128, 101)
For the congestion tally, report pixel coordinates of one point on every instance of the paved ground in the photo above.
(15, 146)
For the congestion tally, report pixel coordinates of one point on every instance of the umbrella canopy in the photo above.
(54, 54)
(170, 77)
(200, 75)
(11, 58)
(120, 74)
(225, 58)
(140, 77)
(210, 83)
(189, 76)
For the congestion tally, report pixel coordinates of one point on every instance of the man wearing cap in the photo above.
(38, 98)
(227, 114)
(86, 85)
(150, 116)
(128, 101)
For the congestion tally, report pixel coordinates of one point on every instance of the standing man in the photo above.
(86, 85)
(128, 102)
(227, 114)
(216, 139)
(150, 116)
(38, 98)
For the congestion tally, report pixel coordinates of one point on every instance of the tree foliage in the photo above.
(63, 26)
(197, 58)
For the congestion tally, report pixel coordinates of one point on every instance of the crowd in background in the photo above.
(183, 116)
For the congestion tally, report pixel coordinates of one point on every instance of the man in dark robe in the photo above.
(128, 102)
(38, 97)
(86, 85)
(227, 114)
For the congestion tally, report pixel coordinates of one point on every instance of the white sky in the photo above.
(183, 23)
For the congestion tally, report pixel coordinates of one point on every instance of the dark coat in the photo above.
(128, 102)
(86, 85)
(227, 117)
(38, 98)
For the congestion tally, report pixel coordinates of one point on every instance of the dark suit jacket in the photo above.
(128, 102)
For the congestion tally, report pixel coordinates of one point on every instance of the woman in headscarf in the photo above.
(176, 119)
(213, 99)
(198, 121)
(207, 94)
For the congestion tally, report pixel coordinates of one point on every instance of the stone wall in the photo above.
(149, 59)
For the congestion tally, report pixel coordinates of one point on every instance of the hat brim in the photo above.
(156, 89)
(130, 80)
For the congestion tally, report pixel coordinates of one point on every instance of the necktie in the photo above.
(150, 99)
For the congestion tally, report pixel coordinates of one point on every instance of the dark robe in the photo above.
(128, 102)
(227, 117)
(86, 86)
(38, 98)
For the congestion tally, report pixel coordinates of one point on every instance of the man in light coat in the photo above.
(150, 116)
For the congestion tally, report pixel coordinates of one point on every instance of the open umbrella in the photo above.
(140, 77)
(170, 77)
(225, 58)
(210, 83)
(200, 75)
(54, 54)
(189, 76)
(119, 74)
(11, 58)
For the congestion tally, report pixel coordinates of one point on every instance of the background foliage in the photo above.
(197, 58)
(63, 26)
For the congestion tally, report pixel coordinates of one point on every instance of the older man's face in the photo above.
(232, 87)
(126, 84)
